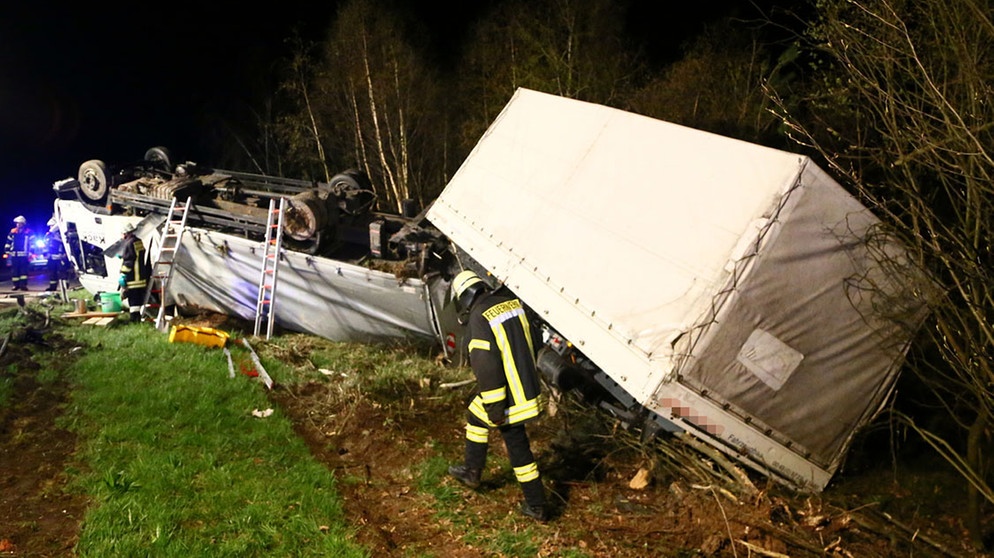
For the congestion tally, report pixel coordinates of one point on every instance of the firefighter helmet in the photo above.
(20, 220)
(127, 228)
(465, 288)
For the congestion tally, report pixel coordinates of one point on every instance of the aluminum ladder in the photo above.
(157, 291)
(270, 267)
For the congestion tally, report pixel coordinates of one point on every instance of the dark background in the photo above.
(86, 81)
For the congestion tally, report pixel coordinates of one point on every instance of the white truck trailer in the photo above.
(714, 286)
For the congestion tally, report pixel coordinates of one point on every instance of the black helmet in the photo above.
(465, 288)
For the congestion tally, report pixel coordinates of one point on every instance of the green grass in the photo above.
(176, 465)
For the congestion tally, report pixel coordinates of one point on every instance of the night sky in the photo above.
(84, 82)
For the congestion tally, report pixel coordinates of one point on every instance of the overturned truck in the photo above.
(346, 271)
(697, 283)
(713, 286)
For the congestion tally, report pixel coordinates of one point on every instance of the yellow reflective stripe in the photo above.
(526, 473)
(510, 369)
(526, 327)
(139, 257)
(476, 407)
(493, 395)
(524, 411)
(477, 434)
(518, 413)
(479, 344)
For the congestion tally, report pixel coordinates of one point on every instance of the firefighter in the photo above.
(502, 355)
(135, 269)
(56, 256)
(18, 243)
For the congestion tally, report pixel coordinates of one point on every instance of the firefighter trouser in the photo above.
(55, 272)
(519, 453)
(19, 272)
(135, 297)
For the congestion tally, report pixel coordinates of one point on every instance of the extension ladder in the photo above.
(156, 292)
(270, 267)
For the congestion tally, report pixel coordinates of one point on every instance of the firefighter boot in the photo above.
(465, 475)
(538, 513)
(534, 505)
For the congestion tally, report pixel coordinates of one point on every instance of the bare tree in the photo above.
(383, 103)
(297, 126)
(572, 48)
(905, 111)
(718, 85)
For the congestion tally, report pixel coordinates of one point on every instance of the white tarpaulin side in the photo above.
(707, 276)
(329, 298)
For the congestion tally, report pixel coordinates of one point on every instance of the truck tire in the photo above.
(306, 216)
(353, 190)
(93, 180)
(160, 157)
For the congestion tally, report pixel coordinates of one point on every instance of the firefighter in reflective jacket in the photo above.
(135, 270)
(56, 255)
(18, 242)
(502, 355)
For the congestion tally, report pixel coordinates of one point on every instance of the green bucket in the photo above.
(110, 302)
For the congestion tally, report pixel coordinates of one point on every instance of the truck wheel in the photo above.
(160, 157)
(354, 192)
(93, 180)
(344, 181)
(306, 216)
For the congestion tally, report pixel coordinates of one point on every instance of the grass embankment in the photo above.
(176, 464)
